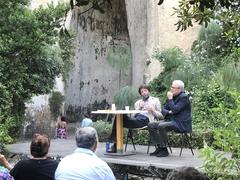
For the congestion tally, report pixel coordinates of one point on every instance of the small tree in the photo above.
(55, 102)
(120, 58)
(126, 96)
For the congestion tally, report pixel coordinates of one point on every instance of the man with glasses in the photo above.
(177, 115)
(147, 103)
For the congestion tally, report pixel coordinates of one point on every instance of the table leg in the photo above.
(119, 136)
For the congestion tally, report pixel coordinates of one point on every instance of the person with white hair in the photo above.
(83, 163)
(177, 117)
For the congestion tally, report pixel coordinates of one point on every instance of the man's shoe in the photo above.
(113, 148)
(163, 152)
(155, 152)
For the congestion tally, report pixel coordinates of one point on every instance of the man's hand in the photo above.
(169, 95)
(151, 108)
(141, 104)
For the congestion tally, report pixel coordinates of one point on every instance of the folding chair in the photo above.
(185, 138)
(130, 136)
(188, 139)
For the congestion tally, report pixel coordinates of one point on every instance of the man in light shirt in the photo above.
(83, 163)
(152, 107)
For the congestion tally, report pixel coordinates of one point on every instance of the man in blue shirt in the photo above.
(177, 115)
(83, 163)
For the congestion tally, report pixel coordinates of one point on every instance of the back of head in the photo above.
(86, 138)
(63, 118)
(39, 145)
(186, 173)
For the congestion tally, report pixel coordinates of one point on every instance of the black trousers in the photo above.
(137, 121)
(158, 132)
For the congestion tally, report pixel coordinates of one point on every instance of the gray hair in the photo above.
(86, 137)
(179, 84)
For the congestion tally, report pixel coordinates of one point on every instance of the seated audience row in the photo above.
(82, 164)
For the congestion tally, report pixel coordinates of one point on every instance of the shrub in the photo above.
(206, 100)
(142, 137)
(55, 102)
(126, 96)
(225, 164)
(103, 129)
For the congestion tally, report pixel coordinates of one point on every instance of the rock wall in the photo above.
(93, 81)
(142, 22)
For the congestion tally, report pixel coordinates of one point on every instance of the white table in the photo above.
(119, 124)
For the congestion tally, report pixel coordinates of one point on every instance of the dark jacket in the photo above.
(181, 116)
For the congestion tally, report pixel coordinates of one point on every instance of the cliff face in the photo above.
(93, 81)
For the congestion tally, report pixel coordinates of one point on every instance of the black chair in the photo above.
(185, 139)
(130, 136)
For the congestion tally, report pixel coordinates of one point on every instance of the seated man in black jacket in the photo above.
(177, 114)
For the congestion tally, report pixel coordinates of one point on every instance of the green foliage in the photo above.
(126, 96)
(212, 73)
(119, 57)
(103, 129)
(202, 11)
(5, 101)
(30, 57)
(67, 49)
(55, 102)
(219, 165)
(9, 127)
(206, 99)
(224, 164)
(230, 76)
(171, 60)
(209, 42)
(142, 136)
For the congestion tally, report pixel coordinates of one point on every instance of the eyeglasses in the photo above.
(175, 87)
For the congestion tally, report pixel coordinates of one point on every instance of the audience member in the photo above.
(186, 173)
(150, 104)
(177, 114)
(83, 163)
(61, 128)
(87, 121)
(39, 167)
(4, 168)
